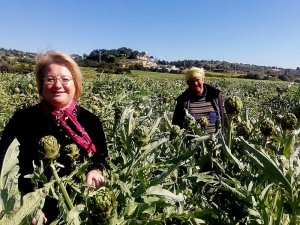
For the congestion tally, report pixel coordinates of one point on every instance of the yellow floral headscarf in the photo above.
(194, 72)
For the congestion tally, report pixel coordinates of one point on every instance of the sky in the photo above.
(258, 32)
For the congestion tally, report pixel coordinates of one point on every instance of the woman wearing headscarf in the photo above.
(201, 101)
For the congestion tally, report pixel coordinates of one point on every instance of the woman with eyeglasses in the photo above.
(59, 83)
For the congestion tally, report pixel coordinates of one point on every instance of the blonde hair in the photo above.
(194, 72)
(43, 60)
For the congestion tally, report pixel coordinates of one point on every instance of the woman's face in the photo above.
(58, 86)
(196, 85)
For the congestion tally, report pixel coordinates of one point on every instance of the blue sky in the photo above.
(260, 32)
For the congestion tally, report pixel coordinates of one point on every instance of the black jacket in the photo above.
(30, 124)
(213, 95)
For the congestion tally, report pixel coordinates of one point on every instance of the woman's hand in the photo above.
(95, 178)
(42, 216)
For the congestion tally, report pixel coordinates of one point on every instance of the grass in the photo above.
(156, 75)
(160, 75)
(210, 76)
(90, 73)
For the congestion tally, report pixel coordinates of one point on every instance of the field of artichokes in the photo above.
(160, 174)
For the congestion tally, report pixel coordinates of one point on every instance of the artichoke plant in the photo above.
(165, 126)
(288, 122)
(142, 136)
(174, 132)
(267, 127)
(233, 105)
(210, 143)
(189, 121)
(203, 121)
(72, 151)
(104, 204)
(244, 129)
(50, 147)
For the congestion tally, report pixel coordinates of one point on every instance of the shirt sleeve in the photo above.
(179, 114)
(99, 158)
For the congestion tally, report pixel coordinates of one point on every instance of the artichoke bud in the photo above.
(210, 144)
(203, 121)
(72, 151)
(244, 129)
(267, 127)
(104, 204)
(142, 136)
(233, 105)
(175, 130)
(49, 146)
(189, 121)
(288, 122)
(165, 126)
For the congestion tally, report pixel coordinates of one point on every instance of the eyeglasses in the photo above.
(50, 80)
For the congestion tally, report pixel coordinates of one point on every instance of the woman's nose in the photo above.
(58, 83)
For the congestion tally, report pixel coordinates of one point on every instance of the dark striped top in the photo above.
(202, 108)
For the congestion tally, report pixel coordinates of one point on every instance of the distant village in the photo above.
(150, 63)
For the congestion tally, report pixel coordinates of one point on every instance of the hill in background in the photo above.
(122, 60)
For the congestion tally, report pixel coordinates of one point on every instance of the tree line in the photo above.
(112, 61)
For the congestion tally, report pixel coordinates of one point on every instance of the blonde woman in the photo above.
(59, 82)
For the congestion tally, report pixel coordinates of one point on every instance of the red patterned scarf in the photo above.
(80, 136)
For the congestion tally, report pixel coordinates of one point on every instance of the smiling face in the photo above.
(57, 93)
(196, 85)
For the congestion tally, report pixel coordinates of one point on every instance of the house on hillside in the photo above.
(143, 56)
(143, 60)
(167, 68)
